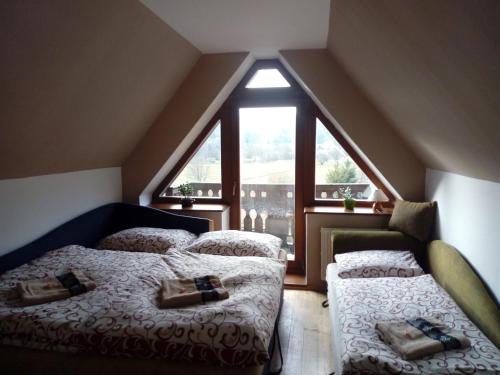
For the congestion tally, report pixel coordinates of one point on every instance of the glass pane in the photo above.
(265, 78)
(335, 170)
(203, 171)
(267, 172)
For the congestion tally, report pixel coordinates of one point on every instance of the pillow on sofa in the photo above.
(149, 240)
(238, 243)
(412, 218)
(377, 263)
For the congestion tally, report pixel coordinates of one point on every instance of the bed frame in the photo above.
(86, 230)
(455, 275)
(450, 269)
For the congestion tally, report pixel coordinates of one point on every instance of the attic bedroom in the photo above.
(250, 187)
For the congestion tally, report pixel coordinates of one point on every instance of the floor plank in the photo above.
(305, 334)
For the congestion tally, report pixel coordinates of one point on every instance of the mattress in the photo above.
(357, 304)
(120, 318)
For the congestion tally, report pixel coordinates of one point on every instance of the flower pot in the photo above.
(187, 202)
(349, 204)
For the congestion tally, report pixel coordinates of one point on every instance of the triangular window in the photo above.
(336, 170)
(267, 78)
(203, 171)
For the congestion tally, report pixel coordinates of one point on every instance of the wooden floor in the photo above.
(305, 334)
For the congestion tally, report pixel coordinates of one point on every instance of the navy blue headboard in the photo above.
(88, 228)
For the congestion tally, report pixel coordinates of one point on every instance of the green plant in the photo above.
(186, 189)
(342, 171)
(349, 202)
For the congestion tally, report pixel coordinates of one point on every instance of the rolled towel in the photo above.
(416, 338)
(184, 292)
(34, 292)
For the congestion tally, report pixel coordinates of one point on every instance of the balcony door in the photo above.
(267, 160)
(267, 152)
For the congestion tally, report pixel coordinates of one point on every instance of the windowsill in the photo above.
(203, 207)
(343, 211)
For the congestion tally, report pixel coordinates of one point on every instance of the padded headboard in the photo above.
(88, 228)
(458, 278)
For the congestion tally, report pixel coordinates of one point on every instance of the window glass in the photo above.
(203, 171)
(335, 169)
(267, 172)
(267, 78)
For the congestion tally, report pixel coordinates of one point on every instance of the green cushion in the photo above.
(412, 218)
(352, 240)
(458, 278)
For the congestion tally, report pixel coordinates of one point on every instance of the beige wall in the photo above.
(196, 94)
(82, 81)
(314, 223)
(432, 68)
(359, 118)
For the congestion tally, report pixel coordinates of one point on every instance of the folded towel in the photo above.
(183, 292)
(420, 337)
(34, 292)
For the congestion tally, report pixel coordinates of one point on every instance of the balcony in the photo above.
(270, 208)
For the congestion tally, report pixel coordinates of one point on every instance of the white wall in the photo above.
(469, 219)
(32, 206)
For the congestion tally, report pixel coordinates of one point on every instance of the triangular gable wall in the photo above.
(329, 87)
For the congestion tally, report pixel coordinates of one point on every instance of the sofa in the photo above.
(409, 228)
(346, 240)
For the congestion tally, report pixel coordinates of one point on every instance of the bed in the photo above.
(118, 327)
(356, 304)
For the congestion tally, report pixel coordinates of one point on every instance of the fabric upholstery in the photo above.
(457, 277)
(88, 228)
(414, 219)
(347, 240)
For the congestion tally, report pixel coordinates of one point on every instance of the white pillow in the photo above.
(238, 243)
(149, 240)
(377, 263)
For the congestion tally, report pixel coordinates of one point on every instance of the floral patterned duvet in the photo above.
(121, 316)
(360, 303)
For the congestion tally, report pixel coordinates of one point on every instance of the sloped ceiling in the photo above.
(181, 120)
(433, 69)
(367, 130)
(82, 81)
(261, 27)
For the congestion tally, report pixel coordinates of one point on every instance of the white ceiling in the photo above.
(262, 27)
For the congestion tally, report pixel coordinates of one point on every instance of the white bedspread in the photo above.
(121, 316)
(360, 303)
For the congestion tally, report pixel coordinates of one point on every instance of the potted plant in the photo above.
(186, 190)
(349, 202)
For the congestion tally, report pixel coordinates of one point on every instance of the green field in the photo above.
(273, 172)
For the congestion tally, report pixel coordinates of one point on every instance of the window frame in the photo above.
(186, 158)
(310, 192)
(305, 182)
